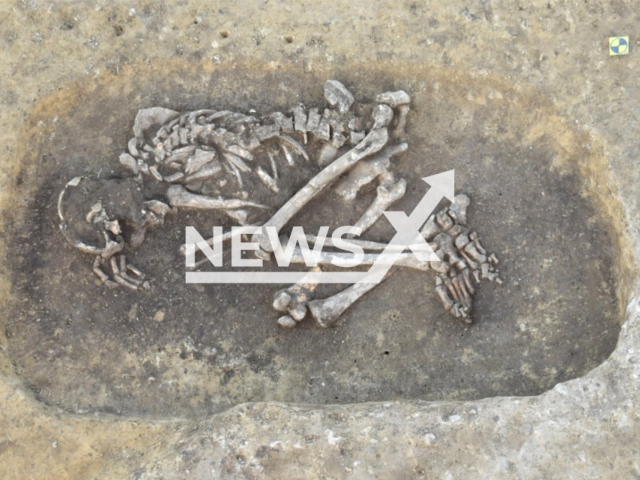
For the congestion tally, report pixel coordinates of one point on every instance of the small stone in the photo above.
(286, 321)
(159, 316)
(430, 438)
(394, 99)
(337, 94)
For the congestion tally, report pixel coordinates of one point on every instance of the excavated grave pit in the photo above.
(178, 349)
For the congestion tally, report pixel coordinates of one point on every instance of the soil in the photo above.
(184, 349)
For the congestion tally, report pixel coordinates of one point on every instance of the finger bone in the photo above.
(100, 274)
(470, 248)
(129, 279)
(476, 242)
(114, 265)
(125, 283)
(467, 280)
(135, 271)
(443, 294)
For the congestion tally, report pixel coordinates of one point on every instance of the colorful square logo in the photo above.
(618, 45)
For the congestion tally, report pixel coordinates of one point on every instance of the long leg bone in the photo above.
(327, 312)
(407, 260)
(365, 244)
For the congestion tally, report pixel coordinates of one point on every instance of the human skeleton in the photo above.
(238, 164)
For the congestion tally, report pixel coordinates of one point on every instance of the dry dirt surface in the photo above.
(199, 381)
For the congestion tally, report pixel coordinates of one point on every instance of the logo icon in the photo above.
(407, 236)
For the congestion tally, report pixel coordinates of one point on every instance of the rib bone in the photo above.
(199, 159)
(179, 197)
(267, 180)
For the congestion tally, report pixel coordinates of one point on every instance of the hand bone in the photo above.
(119, 276)
(294, 300)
